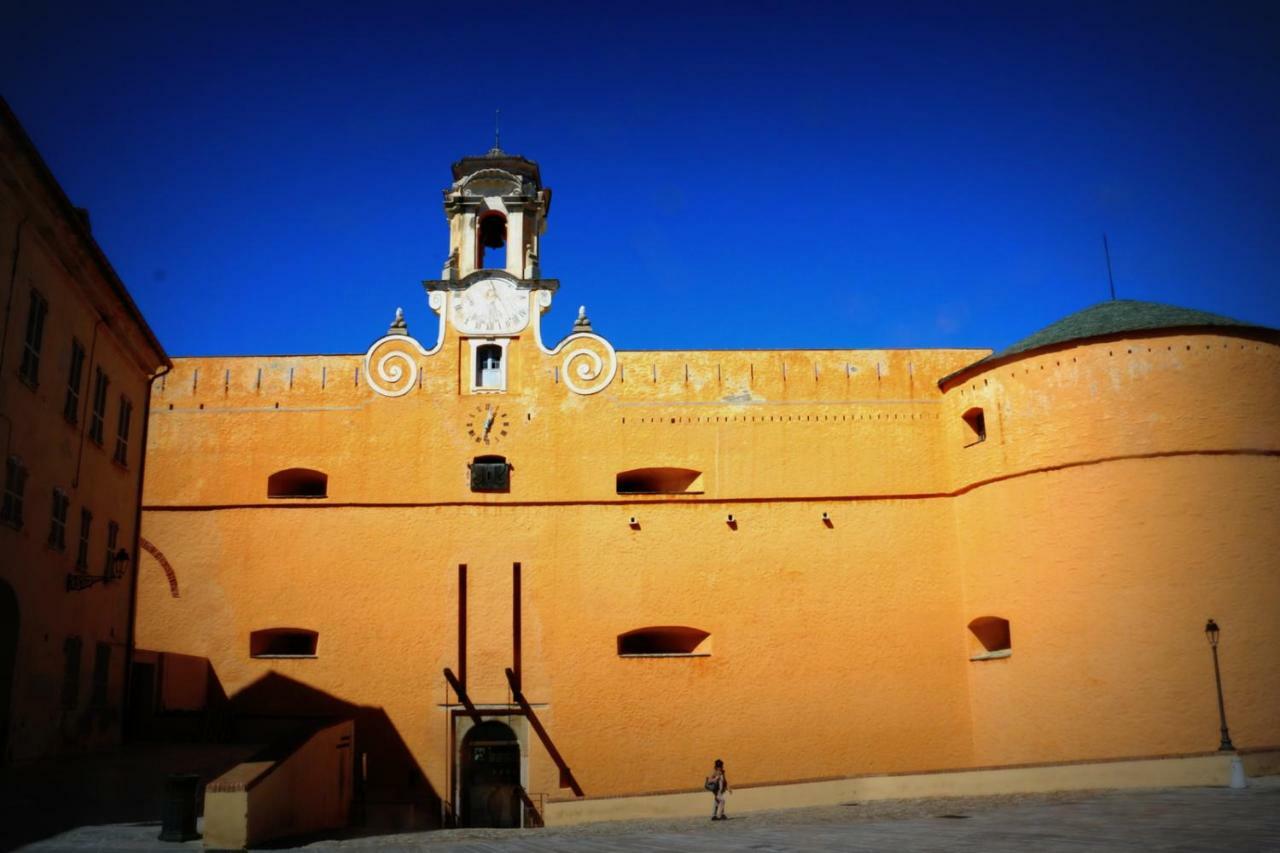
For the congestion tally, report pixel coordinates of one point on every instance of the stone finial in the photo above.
(399, 326)
(582, 324)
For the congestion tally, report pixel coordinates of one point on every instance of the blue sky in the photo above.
(266, 177)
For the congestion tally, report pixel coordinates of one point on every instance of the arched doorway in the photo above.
(8, 654)
(490, 774)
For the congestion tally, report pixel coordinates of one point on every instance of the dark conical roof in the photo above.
(1112, 318)
(496, 158)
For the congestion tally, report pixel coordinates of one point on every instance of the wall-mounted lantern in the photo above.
(115, 570)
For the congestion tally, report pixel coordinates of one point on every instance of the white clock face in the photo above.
(491, 306)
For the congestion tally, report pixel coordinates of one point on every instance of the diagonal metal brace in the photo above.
(567, 779)
(462, 695)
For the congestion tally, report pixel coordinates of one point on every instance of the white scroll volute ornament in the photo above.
(391, 364)
(589, 361)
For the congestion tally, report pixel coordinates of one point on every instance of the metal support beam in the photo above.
(462, 695)
(567, 779)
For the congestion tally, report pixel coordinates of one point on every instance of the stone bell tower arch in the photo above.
(496, 201)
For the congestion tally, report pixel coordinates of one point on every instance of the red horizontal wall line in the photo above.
(313, 504)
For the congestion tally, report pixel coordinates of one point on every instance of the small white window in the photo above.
(488, 374)
(489, 367)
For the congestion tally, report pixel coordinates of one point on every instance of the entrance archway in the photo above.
(490, 775)
(8, 655)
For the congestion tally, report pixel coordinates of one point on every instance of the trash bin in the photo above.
(178, 818)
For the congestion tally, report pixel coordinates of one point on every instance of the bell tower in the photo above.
(497, 210)
(491, 295)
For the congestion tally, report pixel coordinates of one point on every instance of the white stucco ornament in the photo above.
(588, 362)
(391, 364)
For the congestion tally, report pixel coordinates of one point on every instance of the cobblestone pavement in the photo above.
(1175, 819)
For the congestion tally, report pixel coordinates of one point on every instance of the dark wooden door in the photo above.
(490, 776)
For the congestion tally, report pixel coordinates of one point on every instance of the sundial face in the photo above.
(488, 425)
(491, 306)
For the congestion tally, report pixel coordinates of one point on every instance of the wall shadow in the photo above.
(179, 719)
(391, 792)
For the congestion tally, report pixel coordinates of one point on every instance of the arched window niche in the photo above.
(976, 426)
(298, 483)
(990, 638)
(283, 643)
(660, 481)
(665, 641)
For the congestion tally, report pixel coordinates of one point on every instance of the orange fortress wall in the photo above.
(1118, 500)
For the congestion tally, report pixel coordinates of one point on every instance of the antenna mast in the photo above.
(1110, 280)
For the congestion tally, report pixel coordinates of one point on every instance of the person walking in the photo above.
(718, 784)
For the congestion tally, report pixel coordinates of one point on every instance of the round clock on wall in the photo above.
(491, 306)
(488, 424)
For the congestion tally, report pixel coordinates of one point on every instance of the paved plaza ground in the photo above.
(1174, 819)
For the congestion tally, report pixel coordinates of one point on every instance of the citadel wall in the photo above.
(1113, 499)
(1127, 492)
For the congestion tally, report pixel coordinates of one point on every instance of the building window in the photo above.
(298, 483)
(36, 311)
(489, 367)
(100, 384)
(71, 673)
(71, 408)
(664, 641)
(101, 675)
(122, 431)
(492, 234)
(490, 474)
(659, 481)
(82, 551)
(283, 643)
(488, 373)
(990, 638)
(977, 426)
(113, 535)
(58, 520)
(15, 484)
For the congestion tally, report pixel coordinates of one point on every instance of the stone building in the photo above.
(539, 571)
(76, 360)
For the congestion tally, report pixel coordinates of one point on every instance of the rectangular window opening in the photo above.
(15, 485)
(99, 416)
(121, 455)
(71, 406)
(58, 521)
(113, 535)
(29, 371)
(82, 550)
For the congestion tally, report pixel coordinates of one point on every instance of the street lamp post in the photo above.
(1211, 632)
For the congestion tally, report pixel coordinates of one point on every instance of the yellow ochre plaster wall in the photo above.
(1119, 499)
